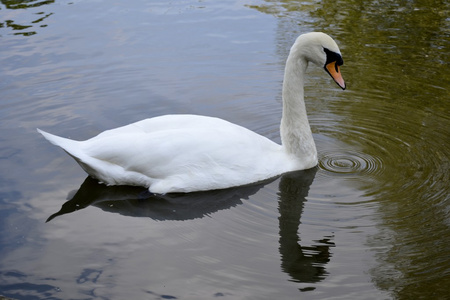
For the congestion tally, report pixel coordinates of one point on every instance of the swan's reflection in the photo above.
(303, 264)
(138, 202)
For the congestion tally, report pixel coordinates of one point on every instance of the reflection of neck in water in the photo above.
(303, 264)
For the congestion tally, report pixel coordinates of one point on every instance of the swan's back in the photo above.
(177, 153)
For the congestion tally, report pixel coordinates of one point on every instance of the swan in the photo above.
(187, 153)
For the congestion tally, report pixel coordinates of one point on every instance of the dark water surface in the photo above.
(371, 222)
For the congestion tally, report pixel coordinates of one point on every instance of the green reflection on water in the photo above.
(17, 25)
(395, 112)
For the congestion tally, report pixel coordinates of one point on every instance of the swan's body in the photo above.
(185, 153)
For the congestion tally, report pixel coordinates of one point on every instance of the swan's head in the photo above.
(321, 49)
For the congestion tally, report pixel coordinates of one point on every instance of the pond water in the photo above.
(371, 222)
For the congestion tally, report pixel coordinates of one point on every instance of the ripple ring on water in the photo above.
(349, 163)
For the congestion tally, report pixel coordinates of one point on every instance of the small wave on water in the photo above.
(381, 144)
(343, 162)
(397, 155)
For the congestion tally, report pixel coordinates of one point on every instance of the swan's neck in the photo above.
(296, 136)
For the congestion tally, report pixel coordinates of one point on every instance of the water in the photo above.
(371, 222)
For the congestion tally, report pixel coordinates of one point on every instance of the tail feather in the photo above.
(70, 146)
(89, 164)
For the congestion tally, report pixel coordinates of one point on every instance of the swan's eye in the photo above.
(333, 57)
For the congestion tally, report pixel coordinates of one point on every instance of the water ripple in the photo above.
(341, 162)
(384, 148)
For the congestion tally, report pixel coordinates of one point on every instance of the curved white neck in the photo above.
(296, 136)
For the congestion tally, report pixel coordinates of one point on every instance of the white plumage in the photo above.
(185, 153)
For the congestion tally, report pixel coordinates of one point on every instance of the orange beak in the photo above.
(333, 69)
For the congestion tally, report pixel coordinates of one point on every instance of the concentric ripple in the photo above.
(348, 163)
(383, 146)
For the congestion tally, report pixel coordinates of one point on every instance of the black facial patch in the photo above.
(333, 56)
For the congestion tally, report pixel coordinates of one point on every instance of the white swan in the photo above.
(186, 153)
